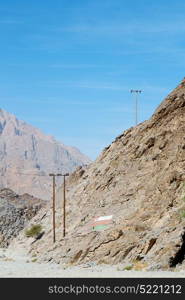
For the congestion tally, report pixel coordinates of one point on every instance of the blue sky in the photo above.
(67, 66)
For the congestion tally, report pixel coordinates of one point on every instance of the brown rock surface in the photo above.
(139, 179)
(15, 212)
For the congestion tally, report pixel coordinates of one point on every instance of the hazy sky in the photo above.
(67, 66)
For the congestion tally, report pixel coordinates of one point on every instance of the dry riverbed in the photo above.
(19, 264)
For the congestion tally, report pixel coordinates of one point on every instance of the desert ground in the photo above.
(18, 264)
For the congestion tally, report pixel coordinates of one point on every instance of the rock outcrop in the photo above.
(15, 212)
(140, 180)
(28, 156)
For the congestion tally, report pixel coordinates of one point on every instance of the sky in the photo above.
(67, 66)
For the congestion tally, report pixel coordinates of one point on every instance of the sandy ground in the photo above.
(18, 264)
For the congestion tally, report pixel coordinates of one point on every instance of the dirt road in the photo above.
(19, 264)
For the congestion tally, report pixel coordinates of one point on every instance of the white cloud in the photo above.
(85, 85)
(74, 66)
(127, 28)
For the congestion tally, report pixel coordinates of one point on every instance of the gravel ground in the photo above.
(18, 264)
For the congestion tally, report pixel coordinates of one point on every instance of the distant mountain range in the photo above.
(27, 156)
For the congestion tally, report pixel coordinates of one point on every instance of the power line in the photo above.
(28, 174)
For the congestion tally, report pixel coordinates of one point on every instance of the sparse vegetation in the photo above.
(34, 231)
(183, 192)
(183, 198)
(182, 213)
(34, 255)
(125, 268)
(135, 265)
(128, 268)
(139, 266)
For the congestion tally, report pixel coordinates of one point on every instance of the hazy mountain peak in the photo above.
(25, 149)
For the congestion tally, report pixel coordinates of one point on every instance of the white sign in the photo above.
(103, 218)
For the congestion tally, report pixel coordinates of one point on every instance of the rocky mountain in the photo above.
(27, 156)
(15, 212)
(140, 180)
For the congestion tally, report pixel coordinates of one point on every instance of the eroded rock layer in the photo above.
(15, 212)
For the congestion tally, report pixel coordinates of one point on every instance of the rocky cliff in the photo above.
(15, 212)
(27, 156)
(140, 180)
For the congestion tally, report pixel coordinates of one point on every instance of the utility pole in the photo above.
(136, 103)
(64, 205)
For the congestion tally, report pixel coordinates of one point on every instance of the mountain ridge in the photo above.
(25, 149)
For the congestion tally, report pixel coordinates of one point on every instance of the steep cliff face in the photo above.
(25, 152)
(15, 212)
(140, 180)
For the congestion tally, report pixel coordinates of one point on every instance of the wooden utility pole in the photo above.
(53, 206)
(64, 205)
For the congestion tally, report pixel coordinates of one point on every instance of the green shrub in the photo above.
(34, 231)
(183, 198)
(128, 268)
(34, 255)
(182, 213)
